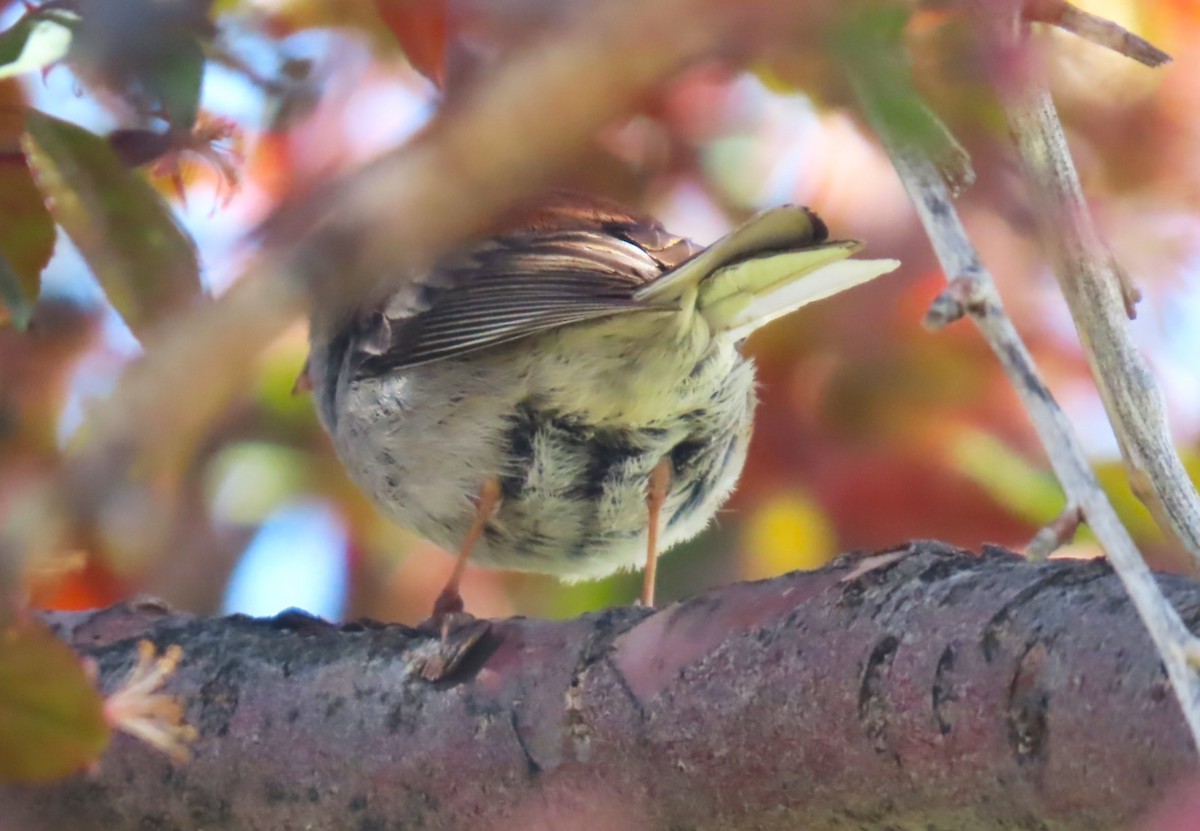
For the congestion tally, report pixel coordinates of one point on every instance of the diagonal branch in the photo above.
(972, 292)
(1095, 29)
(1095, 287)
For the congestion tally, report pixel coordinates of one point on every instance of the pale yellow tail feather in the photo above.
(740, 298)
(775, 229)
(759, 274)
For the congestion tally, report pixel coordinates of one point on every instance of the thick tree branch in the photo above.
(922, 688)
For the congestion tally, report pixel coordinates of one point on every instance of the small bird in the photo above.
(566, 394)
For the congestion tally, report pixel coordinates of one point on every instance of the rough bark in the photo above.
(925, 688)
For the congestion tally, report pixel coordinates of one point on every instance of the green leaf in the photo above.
(12, 294)
(1134, 514)
(146, 263)
(871, 45)
(148, 52)
(176, 83)
(37, 40)
(26, 239)
(249, 480)
(1027, 491)
(51, 716)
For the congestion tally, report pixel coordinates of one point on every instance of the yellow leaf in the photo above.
(788, 532)
(51, 717)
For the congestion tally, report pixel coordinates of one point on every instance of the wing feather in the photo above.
(504, 289)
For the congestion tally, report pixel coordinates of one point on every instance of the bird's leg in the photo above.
(456, 632)
(450, 601)
(656, 495)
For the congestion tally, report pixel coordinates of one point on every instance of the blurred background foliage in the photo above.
(871, 431)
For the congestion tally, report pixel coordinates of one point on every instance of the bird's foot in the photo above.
(452, 634)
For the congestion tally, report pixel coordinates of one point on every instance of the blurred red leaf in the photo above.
(92, 587)
(421, 27)
(177, 154)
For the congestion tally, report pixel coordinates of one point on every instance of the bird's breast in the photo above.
(573, 453)
(575, 495)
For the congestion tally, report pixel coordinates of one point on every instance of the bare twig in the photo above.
(1055, 535)
(1094, 284)
(1095, 29)
(973, 292)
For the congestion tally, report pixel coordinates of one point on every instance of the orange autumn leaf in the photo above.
(92, 587)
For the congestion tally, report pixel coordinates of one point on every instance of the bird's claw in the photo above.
(450, 638)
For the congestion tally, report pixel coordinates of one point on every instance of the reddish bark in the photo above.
(927, 688)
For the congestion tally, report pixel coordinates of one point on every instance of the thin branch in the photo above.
(1055, 535)
(1094, 284)
(1094, 29)
(920, 688)
(973, 292)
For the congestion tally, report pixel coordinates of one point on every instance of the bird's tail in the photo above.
(776, 262)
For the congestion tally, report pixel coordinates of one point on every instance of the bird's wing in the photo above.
(508, 287)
